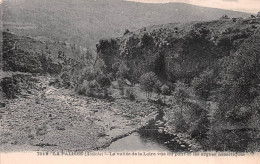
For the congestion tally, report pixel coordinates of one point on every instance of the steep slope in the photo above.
(177, 51)
(25, 54)
(85, 22)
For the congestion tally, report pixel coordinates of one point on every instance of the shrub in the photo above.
(104, 83)
(89, 88)
(130, 94)
(189, 118)
(123, 71)
(56, 82)
(176, 121)
(147, 82)
(224, 17)
(126, 31)
(157, 87)
(166, 90)
(92, 88)
(121, 86)
(10, 87)
(224, 139)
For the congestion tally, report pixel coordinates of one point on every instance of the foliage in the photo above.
(224, 17)
(181, 93)
(90, 88)
(94, 82)
(165, 89)
(237, 94)
(188, 118)
(204, 84)
(147, 82)
(126, 31)
(157, 87)
(123, 71)
(130, 93)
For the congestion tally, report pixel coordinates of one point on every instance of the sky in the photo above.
(250, 6)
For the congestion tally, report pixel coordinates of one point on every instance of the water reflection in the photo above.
(149, 138)
(136, 142)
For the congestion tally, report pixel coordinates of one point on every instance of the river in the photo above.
(149, 138)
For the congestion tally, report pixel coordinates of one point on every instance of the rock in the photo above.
(160, 130)
(2, 104)
(183, 146)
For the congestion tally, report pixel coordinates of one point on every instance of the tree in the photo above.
(236, 94)
(104, 82)
(224, 17)
(180, 94)
(123, 71)
(204, 84)
(126, 31)
(147, 82)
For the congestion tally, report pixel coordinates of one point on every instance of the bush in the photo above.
(181, 93)
(224, 17)
(166, 90)
(121, 86)
(10, 87)
(89, 88)
(223, 139)
(157, 87)
(126, 31)
(189, 118)
(130, 94)
(176, 121)
(147, 82)
(123, 71)
(93, 88)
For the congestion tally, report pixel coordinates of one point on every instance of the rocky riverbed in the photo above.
(52, 118)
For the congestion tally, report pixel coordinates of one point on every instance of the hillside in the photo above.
(39, 109)
(85, 22)
(177, 51)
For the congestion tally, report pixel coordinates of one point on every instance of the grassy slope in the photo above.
(86, 22)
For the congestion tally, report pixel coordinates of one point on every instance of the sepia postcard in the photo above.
(129, 81)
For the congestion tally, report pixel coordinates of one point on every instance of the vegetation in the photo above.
(224, 17)
(147, 82)
(130, 94)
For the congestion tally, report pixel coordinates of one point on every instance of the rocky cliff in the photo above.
(177, 51)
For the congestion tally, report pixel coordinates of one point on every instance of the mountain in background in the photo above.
(86, 22)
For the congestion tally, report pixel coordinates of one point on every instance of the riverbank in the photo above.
(58, 119)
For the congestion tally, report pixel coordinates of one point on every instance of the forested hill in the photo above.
(84, 22)
(178, 51)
